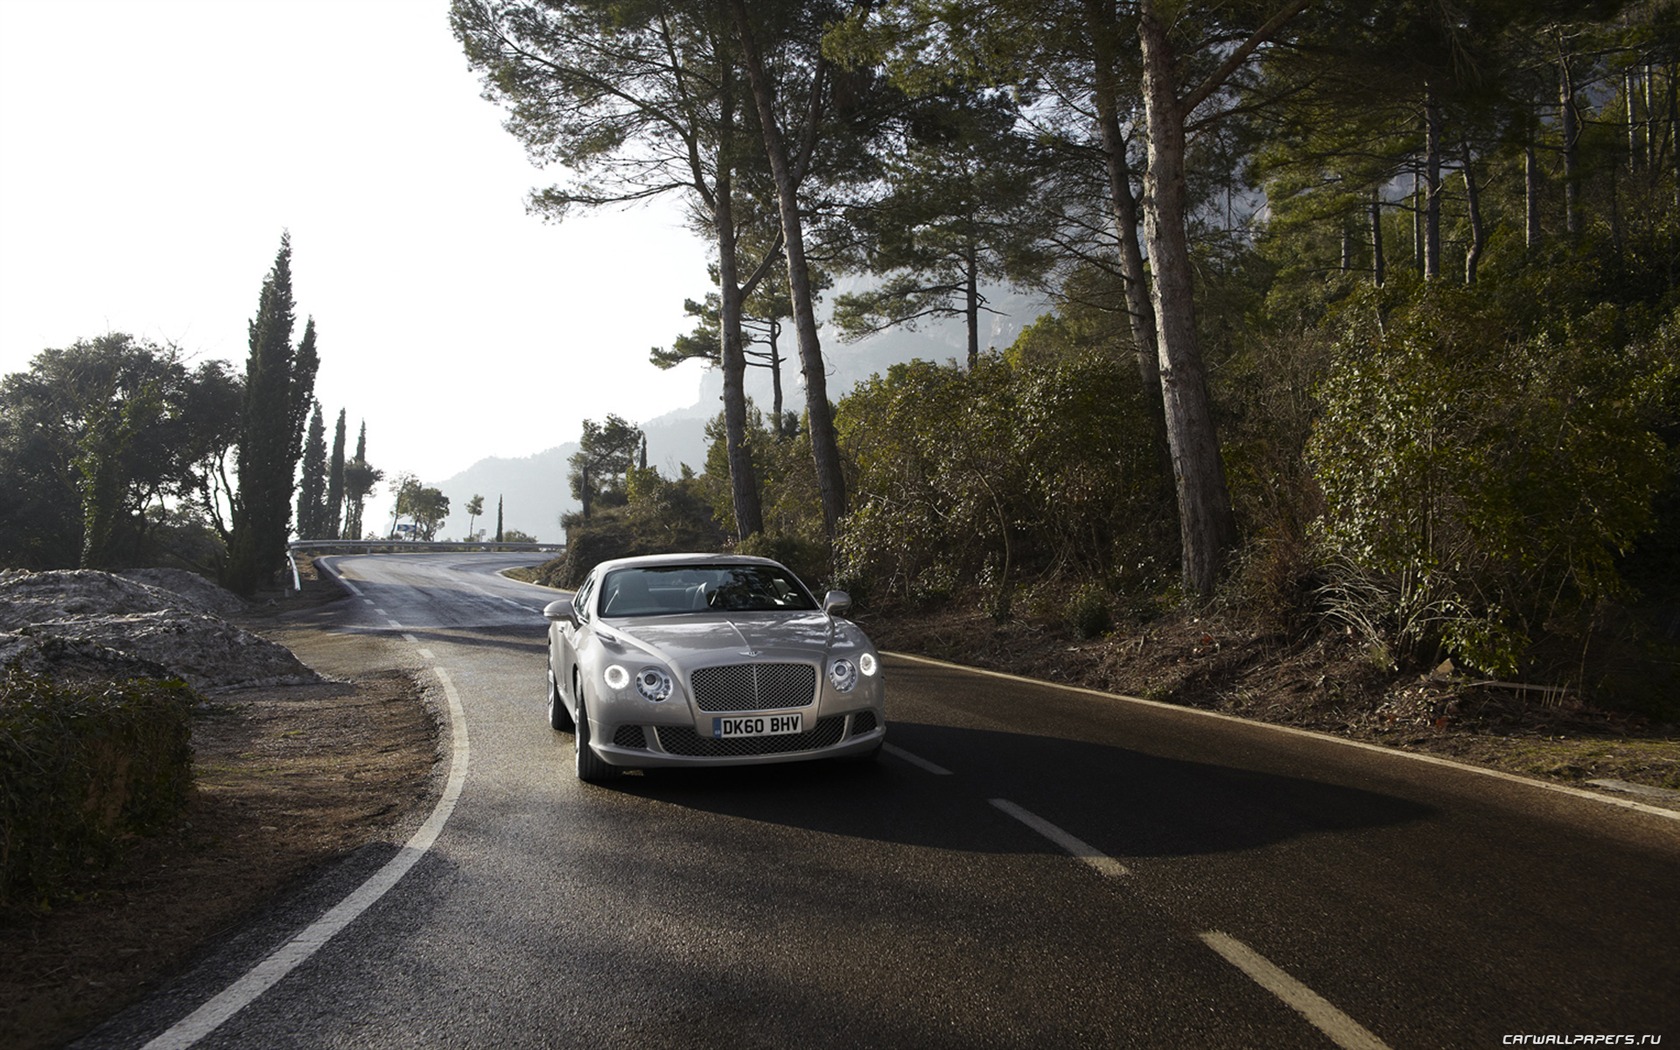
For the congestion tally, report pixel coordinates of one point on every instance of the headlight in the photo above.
(653, 684)
(844, 674)
(616, 677)
(868, 664)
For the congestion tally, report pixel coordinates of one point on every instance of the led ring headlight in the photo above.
(653, 684)
(616, 677)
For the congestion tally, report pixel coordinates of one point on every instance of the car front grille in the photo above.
(630, 736)
(754, 687)
(682, 740)
(863, 722)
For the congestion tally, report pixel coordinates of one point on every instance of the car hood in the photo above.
(690, 641)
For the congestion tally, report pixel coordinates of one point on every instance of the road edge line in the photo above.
(1313, 734)
(289, 956)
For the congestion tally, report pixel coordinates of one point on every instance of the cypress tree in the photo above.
(335, 483)
(279, 387)
(312, 485)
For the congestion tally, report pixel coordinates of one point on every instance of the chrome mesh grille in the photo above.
(682, 740)
(754, 687)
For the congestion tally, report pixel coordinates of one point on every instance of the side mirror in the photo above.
(837, 602)
(561, 610)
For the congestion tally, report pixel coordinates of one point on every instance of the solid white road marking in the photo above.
(1343, 1030)
(1102, 862)
(915, 760)
(288, 957)
(1411, 756)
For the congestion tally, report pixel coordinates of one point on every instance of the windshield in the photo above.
(669, 590)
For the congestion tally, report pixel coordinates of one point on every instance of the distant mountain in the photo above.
(534, 489)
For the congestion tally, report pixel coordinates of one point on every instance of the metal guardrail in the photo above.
(405, 547)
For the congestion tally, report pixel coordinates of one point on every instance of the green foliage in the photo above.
(425, 505)
(1478, 491)
(96, 439)
(658, 517)
(1039, 463)
(1090, 613)
(83, 768)
(312, 486)
(606, 455)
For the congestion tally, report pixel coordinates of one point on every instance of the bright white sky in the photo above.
(152, 152)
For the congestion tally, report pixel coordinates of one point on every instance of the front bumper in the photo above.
(653, 745)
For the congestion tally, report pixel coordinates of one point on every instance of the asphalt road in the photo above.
(1027, 866)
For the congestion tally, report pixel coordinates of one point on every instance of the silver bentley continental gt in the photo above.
(707, 659)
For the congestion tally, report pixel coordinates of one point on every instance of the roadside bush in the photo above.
(83, 767)
(658, 517)
(1479, 489)
(1039, 463)
(1089, 613)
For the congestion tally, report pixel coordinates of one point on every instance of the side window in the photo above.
(583, 597)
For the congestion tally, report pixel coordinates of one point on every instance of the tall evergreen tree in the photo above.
(335, 483)
(312, 484)
(279, 385)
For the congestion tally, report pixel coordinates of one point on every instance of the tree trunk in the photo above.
(1473, 202)
(776, 376)
(1207, 528)
(743, 481)
(1417, 220)
(825, 449)
(971, 305)
(1531, 193)
(1567, 119)
(1379, 265)
(1100, 21)
(1432, 187)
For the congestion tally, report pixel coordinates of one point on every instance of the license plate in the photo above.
(756, 725)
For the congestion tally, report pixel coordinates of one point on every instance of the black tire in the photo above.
(559, 719)
(591, 768)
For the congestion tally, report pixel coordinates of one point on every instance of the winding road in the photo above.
(1027, 866)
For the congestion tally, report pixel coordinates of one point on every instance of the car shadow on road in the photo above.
(1123, 802)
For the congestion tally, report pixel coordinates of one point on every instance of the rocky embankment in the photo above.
(82, 623)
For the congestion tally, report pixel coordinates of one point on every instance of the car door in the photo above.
(567, 639)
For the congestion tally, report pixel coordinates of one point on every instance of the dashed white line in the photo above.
(1082, 850)
(292, 954)
(916, 760)
(1343, 1030)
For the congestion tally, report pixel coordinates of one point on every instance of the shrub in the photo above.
(1479, 490)
(82, 767)
(1090, 614)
